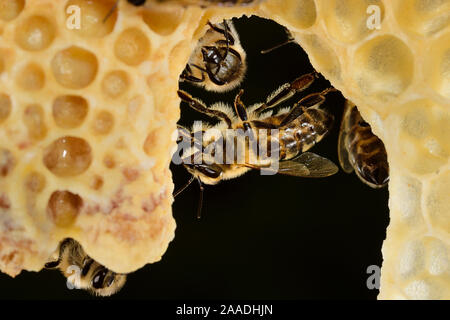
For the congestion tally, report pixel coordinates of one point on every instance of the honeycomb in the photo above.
(87, 116)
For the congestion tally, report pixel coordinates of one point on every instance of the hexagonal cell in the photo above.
(163, 20)
(35, 33)
(177, 58)
(300, 14)
(437, 65)
(7, 162)
(323, 55)
(346, 20)
(69, 111)
(411, 259)
(103, 122)
(74, 67)
(34, 120)
(68, 156)
(130, 174)
(92, 17)
(35, 182)
(109, 161)
(441, 128)
(415, 157)
(96, 182)
(405, 200)
(423, 17)
(115, 83)
(64, 207)
(151, 142)
(384, 67)
(438, 204)
(429, 123)
(135, 106)
(132, 47)
(5, 107)
(415, 120)
(10, 9)
(31, 77)
(437, 259)
(423, 289)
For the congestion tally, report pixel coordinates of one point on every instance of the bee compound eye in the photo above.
(99, 277)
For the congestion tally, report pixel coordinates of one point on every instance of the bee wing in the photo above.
(309, 165)
(342, 150)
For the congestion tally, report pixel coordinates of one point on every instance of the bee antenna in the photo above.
(331, 89)
(184, 187)
(226, 38)
(290, 40)
(200, 200)
(111, 11)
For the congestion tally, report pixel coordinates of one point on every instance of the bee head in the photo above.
(106, 282)
(208, 173)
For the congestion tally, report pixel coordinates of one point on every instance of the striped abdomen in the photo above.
(304, 132)
(367, 153)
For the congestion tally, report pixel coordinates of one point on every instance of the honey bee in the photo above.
(360, 150)
(299, 128)
(218, 63)
(82, 272)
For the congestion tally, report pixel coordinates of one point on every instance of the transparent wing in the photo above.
(309, 165)
(343, 155)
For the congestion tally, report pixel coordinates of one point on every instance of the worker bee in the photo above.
(360, 150)
(82, 272)
(297, 129)
(218, 63)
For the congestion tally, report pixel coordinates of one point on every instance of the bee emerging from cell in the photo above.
(218, 63)
(297, 129)
(82, 272)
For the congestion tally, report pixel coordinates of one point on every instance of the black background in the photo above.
(260, 237)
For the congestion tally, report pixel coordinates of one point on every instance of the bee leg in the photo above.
(311, 100)
(290, 40)
(239, 106)
(111, 11)
(242, 114)
(226, 33)
(187, 136)
(188, 74)
(52, 264)
(199, 106)
(200, 200)
(63, 245)
(183, 134)
(176, 193)
(288, 90)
